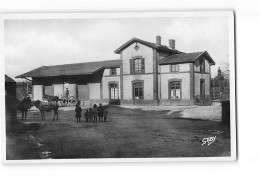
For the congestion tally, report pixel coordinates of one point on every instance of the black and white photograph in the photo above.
(119, 87)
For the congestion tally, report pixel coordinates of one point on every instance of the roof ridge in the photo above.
(147, 43)
(80, 63)
(199, 55)
(184, 58)
(191, 52)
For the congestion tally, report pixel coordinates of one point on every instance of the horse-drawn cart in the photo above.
(64, 101)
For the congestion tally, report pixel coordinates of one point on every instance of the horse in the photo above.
(24, 106)
(50, 98)
(48, 107)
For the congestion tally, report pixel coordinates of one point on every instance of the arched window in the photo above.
(175, 89)
(138, 90)
(113, 90)
(202, 87)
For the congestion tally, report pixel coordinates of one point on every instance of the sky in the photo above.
(34, 43)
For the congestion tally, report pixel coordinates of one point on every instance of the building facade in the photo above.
(146, 73)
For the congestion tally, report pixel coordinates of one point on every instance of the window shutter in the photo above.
(142, 63)
(131, 66)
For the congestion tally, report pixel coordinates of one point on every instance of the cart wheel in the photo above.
(63, 102)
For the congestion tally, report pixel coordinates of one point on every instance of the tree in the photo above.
(23, 89)
(221, 82)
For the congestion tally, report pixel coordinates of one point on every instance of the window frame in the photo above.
(109, 89)
(169, 89)
(141, 82)
(202, 93)
(140, 69)
(175, 71)
(139, 66)
(111, 71)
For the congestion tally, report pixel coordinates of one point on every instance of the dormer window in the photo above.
(174, 68)
(113, 71)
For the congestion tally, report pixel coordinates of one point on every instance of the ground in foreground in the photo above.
(128, 133)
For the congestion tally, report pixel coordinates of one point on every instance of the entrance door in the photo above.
(175, 92)
(114, 94)
(138, 93)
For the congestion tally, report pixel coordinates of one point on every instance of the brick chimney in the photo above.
(158, 40)
(172, 43)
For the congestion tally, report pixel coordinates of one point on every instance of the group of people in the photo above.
(93, 114)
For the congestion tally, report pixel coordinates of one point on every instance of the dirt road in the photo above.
(129, 133)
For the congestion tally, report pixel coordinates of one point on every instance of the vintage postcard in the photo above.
(105, 87)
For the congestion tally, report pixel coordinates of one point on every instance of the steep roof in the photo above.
(85, 68)
(186, 58)
(8, 79)
(149, 44)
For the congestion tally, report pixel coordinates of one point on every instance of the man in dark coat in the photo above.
(78, 111)
(95, 112)
(87, 116)
(100, 112)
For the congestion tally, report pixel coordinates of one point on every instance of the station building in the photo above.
(145, 74)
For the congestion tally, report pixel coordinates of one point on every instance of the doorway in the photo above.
(113, 94)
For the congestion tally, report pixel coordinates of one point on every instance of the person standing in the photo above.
(95, 112)
(90, 111)
(100, 112)
(67, 92)
(78, 111)
(87, 117)
(105, 113)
